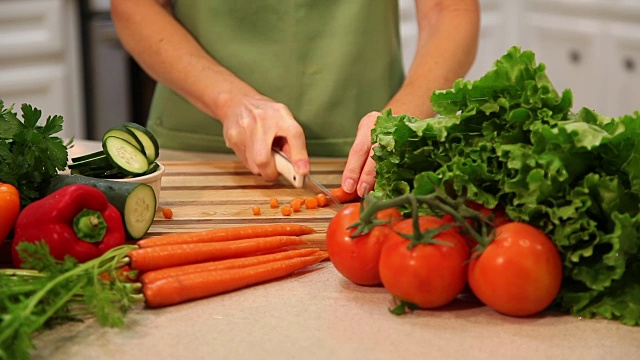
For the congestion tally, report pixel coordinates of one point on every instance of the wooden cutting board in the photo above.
(214, 194)
(208, 195)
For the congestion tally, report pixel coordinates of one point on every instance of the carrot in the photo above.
(311, 203)
(235, 263)
(286, 210)
(159, 257)
(274, 203)
(344, 196)
(167, 213)
(124, 273)
(202, 284)
(296, 205)
(322, 200)
(226, 234)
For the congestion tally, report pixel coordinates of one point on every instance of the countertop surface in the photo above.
(318, 314)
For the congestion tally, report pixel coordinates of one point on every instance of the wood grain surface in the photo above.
(207, 195)
(213, 194)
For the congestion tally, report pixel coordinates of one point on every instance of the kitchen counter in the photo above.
(317, 314)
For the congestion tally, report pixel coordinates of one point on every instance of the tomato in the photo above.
(519, 273)
(9, 208)
(357, 258)
(498, 217)
(428, 275)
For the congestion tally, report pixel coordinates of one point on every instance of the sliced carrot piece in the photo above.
(274, 203)
(167, 213)
(296, 205)
(311, 203)
(286, 210)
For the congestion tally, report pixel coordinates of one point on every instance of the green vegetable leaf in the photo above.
(511, 139)
(30, 154)
(58, 291)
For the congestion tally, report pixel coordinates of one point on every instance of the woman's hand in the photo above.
(360, 171)
(253, 124)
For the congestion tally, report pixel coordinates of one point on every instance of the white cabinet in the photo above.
(589, 46)
(496, 19)
(622, 82)
(570, 47)
(40, 61)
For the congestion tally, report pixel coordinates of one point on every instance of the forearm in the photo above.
(169, 54)
(448, 37)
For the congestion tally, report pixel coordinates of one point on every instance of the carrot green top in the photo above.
(330, 61)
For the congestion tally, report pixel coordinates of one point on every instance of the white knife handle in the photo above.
(285, 168)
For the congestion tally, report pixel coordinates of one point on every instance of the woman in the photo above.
(306, 76)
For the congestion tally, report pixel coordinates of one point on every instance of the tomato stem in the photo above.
(480, 228)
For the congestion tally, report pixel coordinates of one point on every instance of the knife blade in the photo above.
(286, 169)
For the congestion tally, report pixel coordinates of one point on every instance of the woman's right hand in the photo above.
(253, 124)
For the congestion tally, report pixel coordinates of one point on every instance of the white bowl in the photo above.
(154, 179)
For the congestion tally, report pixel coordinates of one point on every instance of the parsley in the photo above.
(60, 291)
(30, 154)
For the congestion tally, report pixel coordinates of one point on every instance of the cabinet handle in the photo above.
(629, 64)
(575, 57)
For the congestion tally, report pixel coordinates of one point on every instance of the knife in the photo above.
(286, 169)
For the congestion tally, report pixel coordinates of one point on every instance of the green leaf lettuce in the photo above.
(511, 138)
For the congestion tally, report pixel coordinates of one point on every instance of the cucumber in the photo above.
(124, 133)
(100, 161)
(153, 168)
(86, 157)
(125, 155)
(148, 141)
(135, 201)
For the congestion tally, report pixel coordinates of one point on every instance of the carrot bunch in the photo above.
(179, 267)
(160, 271)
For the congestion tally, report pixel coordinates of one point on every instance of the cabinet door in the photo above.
(408, 31)
(570, 47)
(29, 28)
(40, 61)
(498, 32)
(39, 85)
(623, 68)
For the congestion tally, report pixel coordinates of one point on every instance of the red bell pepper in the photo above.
(75, 220)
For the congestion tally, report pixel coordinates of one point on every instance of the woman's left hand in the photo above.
(360, 171)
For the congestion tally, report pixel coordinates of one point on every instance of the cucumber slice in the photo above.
(148, 141)
(136, 202)
(125, 134)
(100, 161)
(89, 156)
(153, 167)
(99, 172)
(125, 156)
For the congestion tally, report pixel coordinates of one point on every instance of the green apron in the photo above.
(330, 61)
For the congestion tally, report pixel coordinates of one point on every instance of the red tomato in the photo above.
(498, 217)
(357, 258)
(428, 275)
(519, 273)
